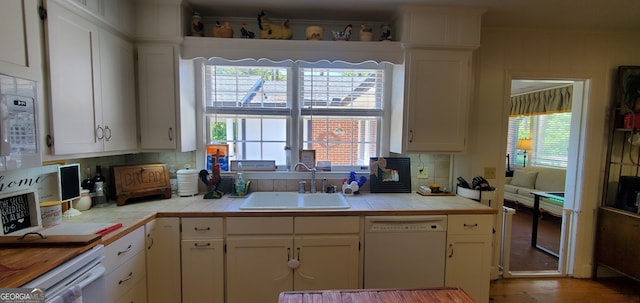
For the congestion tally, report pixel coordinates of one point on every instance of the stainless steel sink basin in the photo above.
(291, 200)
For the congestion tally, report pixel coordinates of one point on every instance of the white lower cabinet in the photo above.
(469, 250)
(202, 260)
(137, 293)
(125, 267)
(266, 256)
(163, 260)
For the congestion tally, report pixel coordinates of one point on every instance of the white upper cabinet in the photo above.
(429, 110)
(118, 93)
(20, 50)
(167, 101)
(92, 93)
(73, 51)
(436, 27)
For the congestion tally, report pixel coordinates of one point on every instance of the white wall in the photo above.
(537, 54)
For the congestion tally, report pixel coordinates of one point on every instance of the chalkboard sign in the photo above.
(16, 212)
(69, 175)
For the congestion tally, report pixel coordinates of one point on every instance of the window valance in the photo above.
(556, 100)
(294, 50)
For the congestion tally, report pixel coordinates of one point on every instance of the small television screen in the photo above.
(69, 175)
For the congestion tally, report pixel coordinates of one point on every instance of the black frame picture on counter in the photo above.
(390, 175)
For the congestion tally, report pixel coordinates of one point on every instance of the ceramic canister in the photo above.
(187, 182)
(315, 32)
(51, 212)
(84, 202)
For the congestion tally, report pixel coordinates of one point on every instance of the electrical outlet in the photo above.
(423, 173)
(489, 172)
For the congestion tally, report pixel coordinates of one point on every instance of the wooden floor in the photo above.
(565, 290)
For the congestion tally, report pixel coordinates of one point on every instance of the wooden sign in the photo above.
(19, 212)
(130, 181)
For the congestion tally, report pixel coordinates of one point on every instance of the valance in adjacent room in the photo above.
(556, 100)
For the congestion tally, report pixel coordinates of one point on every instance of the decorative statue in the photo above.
(246, 33)
(344, 35)
(223, 31)
(269, 30)
(196, 25)
(385, 32)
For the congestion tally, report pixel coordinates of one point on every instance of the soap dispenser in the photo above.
(240, 182)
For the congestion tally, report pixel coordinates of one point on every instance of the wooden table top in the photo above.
(440, 295)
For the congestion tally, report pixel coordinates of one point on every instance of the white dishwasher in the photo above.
(404, 251)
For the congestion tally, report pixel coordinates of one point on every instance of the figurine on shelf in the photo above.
(269, 30)
(223, 31)
(385, 32)
(246, 33)
(366, 33)
(196, 25)
(344, 35)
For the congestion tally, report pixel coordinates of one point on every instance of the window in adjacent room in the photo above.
(259, 107)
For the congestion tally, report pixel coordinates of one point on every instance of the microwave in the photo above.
(19, 146)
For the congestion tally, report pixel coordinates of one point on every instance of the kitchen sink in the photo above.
(292, 200)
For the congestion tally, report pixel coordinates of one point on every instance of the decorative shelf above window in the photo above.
(296, 50)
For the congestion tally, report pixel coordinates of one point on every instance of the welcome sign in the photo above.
(20, 193)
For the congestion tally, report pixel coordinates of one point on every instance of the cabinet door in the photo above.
(20, 48)
(163, 260)
(436, 100)
(326, 262)
(73, 44)
(257, 268)
(202, 268)
(118, 93)
(157, 96)
(468, 264)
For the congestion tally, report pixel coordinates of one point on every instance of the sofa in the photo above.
(518, 188)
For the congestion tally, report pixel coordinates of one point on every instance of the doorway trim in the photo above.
(575, 166)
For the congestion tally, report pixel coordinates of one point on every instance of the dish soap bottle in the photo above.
(240, 182)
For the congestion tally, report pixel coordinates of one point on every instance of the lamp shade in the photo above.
(524, 144)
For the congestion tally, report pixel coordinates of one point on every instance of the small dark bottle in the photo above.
(99, 188)
(87, 182)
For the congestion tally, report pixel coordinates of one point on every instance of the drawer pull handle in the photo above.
(201, 245)
(451, 248)
(470, 225)
(201, 229)
(125, 251)
(126, 279)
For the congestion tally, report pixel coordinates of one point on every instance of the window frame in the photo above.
(296, 117)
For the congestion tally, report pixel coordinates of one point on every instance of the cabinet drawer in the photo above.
(123, 249)
(259, 226)
(327, 225)
(201, 228)
(470, 224)
(137, 293)
(123, 278)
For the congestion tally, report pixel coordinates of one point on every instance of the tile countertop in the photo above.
(136, 214)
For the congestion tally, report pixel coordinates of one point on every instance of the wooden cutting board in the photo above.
(48, 241)
(441, 295)
(23, 264)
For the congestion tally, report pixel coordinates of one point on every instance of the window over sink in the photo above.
(259, 107)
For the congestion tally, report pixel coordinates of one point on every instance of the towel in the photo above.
(71, 295)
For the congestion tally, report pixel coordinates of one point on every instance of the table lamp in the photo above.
(524, 144)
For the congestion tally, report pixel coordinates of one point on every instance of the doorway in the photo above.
(538, 127)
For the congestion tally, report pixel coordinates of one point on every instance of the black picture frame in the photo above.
(628, 87)
(390, 175)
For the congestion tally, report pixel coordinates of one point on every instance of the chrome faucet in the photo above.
(312, 187)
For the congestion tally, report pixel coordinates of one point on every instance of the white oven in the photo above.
(82, 276)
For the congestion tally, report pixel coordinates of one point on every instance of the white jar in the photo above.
(187, 182)
(51, 212)
(84, 202)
